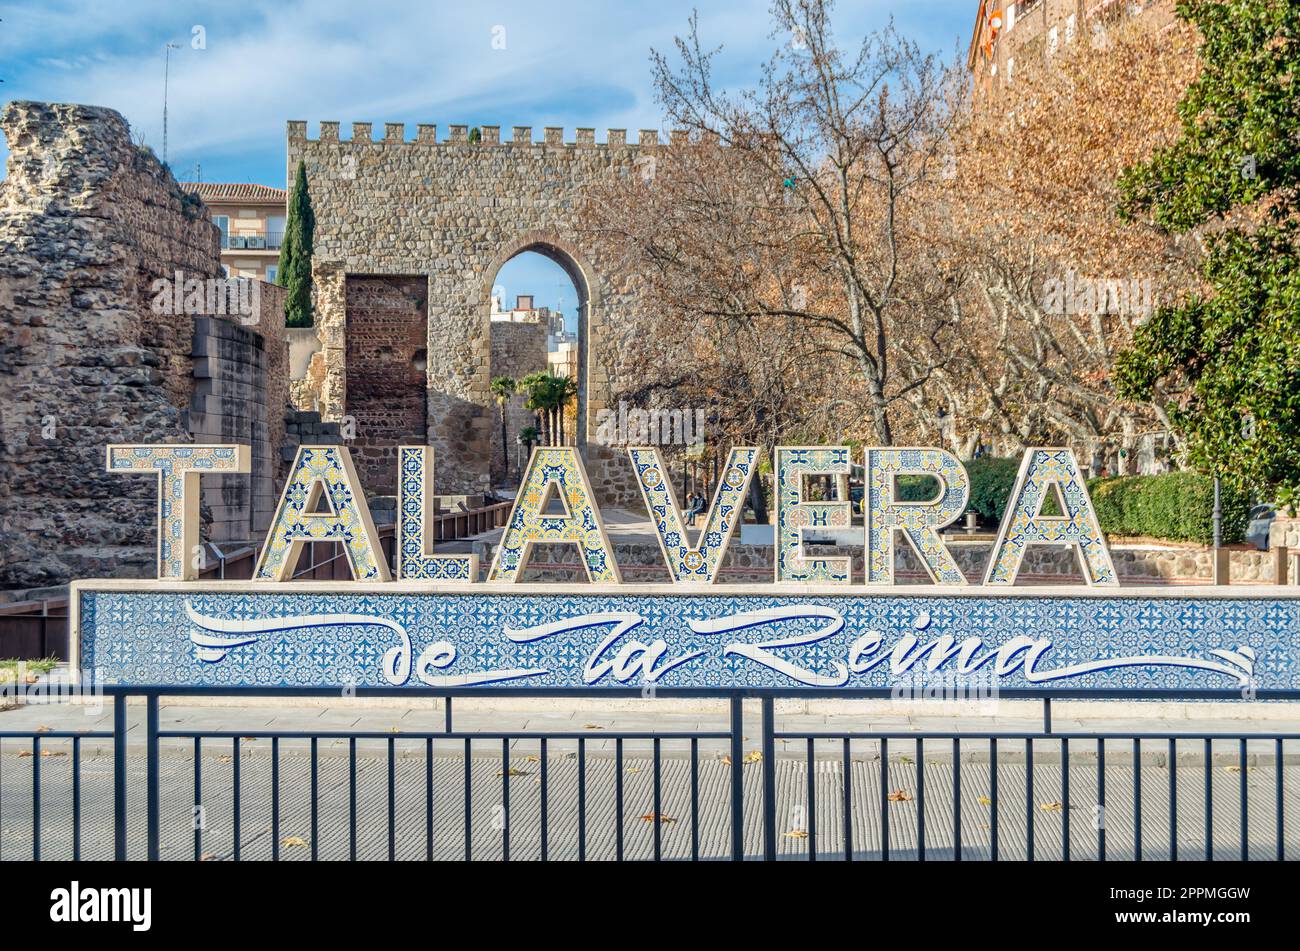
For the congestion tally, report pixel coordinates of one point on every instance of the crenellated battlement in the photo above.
(521, 136)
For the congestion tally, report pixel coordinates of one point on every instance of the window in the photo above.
(1069, 28)
(274, 230)
(271, 271)
(1053, 40)
(1011, 68)
(223, 223)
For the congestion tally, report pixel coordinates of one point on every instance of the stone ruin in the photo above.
(410, 235)
(89, 221)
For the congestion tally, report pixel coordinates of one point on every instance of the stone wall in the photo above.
(455, 212)
(385, 345)
(89, 222)
(752, 564)
(518, 349)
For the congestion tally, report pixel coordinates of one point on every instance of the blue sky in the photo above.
(566, 63)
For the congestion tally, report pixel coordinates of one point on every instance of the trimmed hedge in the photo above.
(1175, 506)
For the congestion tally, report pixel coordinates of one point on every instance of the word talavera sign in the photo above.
(427, 620)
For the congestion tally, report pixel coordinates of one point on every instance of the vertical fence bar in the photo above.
(352, 798)
(428, 799)
(810, 801)
(469, 822)
(1029, 799)
(920, 799)
(315, 805)
(153, 773)
(1277, 792)
(848, 802)
(1245, 818)
(737, 780)
(505, 798)
(1101, 799)
(1173, 799)
(618, 799)
(582, 800)
(1137, 800)
(658, 802)
(993, 796)
(695, 799)
(1065, 799)
(884, 798)
(1209, 801)
(119, 778)
(76, 798)
(544, 777)
(768, 708)
(235, 749)
(956, 798)
(275, 799)
(392, 799)
(36, 798)
(198, 799)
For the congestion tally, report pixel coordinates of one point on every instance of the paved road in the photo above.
(798, 826)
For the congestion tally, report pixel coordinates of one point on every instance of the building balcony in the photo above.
(252, 241)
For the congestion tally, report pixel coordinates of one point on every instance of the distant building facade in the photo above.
(1010, 38)
(252, 221)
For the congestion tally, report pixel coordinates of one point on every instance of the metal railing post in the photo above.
(119, 778)
(769, 779)
(152, 773)
(737, 778)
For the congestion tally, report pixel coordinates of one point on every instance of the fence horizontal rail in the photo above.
(877, 793)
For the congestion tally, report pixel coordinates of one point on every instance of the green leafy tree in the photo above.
(1228, 355)
(294, 273)
(504, 387)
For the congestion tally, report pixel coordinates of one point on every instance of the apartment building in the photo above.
(251, 219)
(1010, 38)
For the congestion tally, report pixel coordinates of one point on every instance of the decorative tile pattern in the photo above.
(415, 558)
(919, 522)
(555, 470)
(702, 561)
(178, 469)
(287, 637)
(792, 464)
(322, 474)
(1023, 526)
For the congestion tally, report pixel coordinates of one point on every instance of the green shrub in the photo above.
(991, 482)
(1176, 506)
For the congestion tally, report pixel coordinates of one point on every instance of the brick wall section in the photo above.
(386, 343)
(88, 223)
(518, 349)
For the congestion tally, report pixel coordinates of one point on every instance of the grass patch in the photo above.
(9, 668)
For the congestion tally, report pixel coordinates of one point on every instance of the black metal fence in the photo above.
(147, 791)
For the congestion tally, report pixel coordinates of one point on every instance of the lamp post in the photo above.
(167, 63)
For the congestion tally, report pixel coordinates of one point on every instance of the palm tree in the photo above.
(540, 387)
(504, 387)
(528, 437)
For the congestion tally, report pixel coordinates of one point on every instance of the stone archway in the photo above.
(585, 285)
(450, 214)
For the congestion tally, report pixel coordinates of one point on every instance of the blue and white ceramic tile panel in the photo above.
(699, 563)
(792, 465)
(322, 471)
(559, 470)
(1022, 526)
(177, 469)
(415, 559)
(235, 639)
(920, 521)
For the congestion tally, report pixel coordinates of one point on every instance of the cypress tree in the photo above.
(294, 273)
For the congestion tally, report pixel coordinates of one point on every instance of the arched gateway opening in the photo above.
(538, 300)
